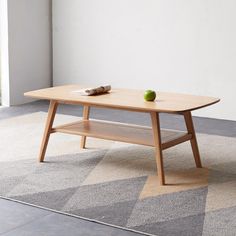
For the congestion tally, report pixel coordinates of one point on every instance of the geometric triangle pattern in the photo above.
(177, 181)
(118, 184)
(115, 213)
(53, 176)
(191, 225)
(168, 207)
(105, 194)
(8, 183)
(220, 222)
(52, 199)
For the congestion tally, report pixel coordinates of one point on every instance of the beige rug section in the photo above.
(21, 137)
(176, 181)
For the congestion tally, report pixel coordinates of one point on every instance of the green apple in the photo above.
(149, 95)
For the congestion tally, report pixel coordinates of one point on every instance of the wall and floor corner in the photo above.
(181, 46)
(26, 48)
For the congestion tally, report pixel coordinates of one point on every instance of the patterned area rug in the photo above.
(116, 183)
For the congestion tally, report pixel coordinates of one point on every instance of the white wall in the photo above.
(4, 60)
(184, 46)
(29, 47)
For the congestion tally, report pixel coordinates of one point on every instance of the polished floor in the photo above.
(19, 219)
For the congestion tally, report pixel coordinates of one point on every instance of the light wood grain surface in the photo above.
(128, 99)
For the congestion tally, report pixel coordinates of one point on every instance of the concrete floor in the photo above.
(18, 219)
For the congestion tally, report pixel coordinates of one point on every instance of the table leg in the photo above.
(47, 131)
(157, 142)
(86, 111)
(193, 141)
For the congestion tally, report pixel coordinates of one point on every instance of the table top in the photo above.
(128, 99)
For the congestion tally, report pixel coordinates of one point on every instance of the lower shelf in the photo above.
(122, 132)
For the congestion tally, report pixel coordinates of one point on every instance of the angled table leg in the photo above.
(47, 131)
(86, 111)
(157, 142)
(193, 141)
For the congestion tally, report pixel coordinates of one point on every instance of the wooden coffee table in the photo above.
(131, 100)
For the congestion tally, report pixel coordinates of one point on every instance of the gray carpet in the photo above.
(116, 183)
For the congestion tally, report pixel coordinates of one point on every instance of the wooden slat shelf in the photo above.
(122, 132)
